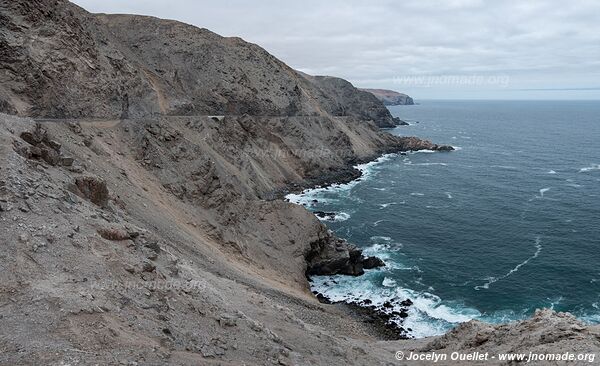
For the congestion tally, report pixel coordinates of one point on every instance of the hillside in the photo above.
(119, 66)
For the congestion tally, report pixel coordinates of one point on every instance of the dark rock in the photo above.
(41, 147)
(406, 303)
(322, 298)
(66, 161)
(153, 245)
(54, 145)
(387, 327)
(93, 189)
(329, 256)
(372, 262)
(148, 266)
(113, 234)
(415, 144)
(444, 148)
(50, 156)
(325, 215)
(31, 138)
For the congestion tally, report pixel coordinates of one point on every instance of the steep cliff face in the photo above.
(390, 97)
(341, 98)
(59, 61)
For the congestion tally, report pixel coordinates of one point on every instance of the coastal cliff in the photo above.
(142, 162)
(390, 97)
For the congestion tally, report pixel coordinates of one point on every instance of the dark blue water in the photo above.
(508, 223)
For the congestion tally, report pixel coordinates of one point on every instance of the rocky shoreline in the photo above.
(386, 322)
(348, 172)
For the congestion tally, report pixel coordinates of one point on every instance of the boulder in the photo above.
(372, 262)
(92, 189)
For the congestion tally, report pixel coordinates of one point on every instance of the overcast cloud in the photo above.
(447, 49)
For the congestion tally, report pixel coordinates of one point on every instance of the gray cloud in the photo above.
(544, 49)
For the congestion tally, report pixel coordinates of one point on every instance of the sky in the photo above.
(436, 49)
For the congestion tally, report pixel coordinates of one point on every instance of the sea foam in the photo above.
(590, 168)
(491, 280)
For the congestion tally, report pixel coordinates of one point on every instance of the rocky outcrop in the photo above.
(547, 334)
(38, 146)
(390, 97)
(92, 189)
(330, 256)
(415, 144)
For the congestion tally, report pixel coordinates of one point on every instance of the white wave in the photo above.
(590, 168)
(449, 195)
(364, 168)
(339, 216)
(551, 172)
(491, 280)
(417, 194)
(507, 167)
(380, 238)
(574, 185)
(457, 148)
(388, 282)
(385, 205)
(542, 191)
(424, 151)
(307, 197)
(427, 316)
(555, 302)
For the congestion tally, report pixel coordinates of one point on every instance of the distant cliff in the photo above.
(390, 97)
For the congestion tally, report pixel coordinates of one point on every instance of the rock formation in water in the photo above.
(390, 97)
(139, 211)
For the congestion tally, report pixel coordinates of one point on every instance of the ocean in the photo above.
(506, 224)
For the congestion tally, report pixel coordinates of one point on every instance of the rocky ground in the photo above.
(140, 210)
